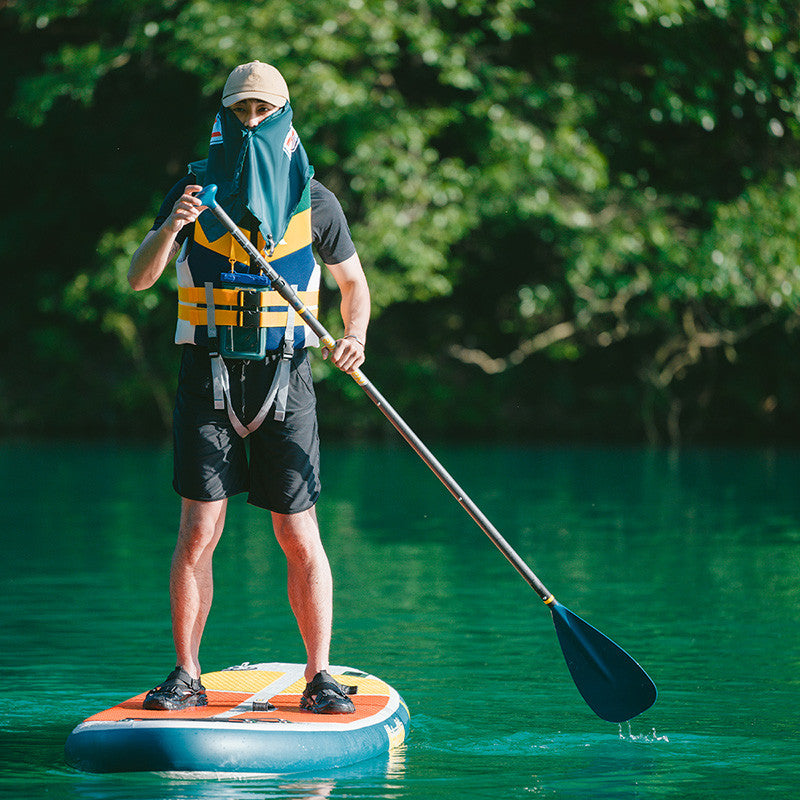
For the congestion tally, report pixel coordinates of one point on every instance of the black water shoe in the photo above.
(324, 695)
(178, 691)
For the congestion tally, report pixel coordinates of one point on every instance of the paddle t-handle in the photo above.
(208, 195)
(614, 686)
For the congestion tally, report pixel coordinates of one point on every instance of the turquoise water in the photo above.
(690, 561)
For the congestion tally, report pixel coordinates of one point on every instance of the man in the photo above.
(227, 390)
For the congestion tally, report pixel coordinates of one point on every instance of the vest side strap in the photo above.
(210, 311)
(283, 369)
(220, 382)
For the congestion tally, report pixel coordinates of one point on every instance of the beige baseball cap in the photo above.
(258, 81)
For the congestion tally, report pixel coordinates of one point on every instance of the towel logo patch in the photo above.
(291, 142)
(216, 131)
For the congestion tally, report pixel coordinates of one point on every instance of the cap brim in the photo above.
(274, 99)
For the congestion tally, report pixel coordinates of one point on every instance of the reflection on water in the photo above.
(379, 777)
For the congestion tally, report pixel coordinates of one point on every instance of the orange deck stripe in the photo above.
(288, 708)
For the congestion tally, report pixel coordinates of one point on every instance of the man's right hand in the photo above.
(160, 246)
(186, 210)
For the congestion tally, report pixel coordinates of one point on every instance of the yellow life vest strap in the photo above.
(231, 297)
(244, 308)
(238, 318)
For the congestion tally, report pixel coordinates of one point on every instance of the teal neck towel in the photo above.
(262, 170)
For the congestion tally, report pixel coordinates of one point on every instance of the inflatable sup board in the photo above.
(236, 733)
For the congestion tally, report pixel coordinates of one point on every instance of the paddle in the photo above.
(610, 681)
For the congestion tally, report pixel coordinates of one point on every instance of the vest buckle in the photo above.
(248, 319)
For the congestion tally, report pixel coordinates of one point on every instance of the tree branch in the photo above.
(562, 331)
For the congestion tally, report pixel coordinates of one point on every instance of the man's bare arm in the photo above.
(159, 247)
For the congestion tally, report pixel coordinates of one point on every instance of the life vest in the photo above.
(263, 176)
(239, 313)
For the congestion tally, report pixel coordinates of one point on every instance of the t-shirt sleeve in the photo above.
(166, 207)
(329, 229)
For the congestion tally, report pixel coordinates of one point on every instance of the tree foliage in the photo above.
(580, 213)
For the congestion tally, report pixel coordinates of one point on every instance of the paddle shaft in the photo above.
(280, 285)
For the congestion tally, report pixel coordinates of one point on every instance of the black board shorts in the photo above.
(277, 464)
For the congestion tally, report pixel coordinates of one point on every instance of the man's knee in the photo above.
(199, 530)
(298, 535)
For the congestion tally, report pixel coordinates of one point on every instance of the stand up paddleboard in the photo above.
(236, 733)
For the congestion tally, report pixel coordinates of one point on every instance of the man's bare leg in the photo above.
(191, 582)
(310, 584)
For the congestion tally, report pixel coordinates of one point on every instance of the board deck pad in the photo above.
(227, 735)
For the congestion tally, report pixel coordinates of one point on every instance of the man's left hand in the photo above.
(348, 353)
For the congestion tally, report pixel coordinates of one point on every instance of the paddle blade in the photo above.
(610, 681)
